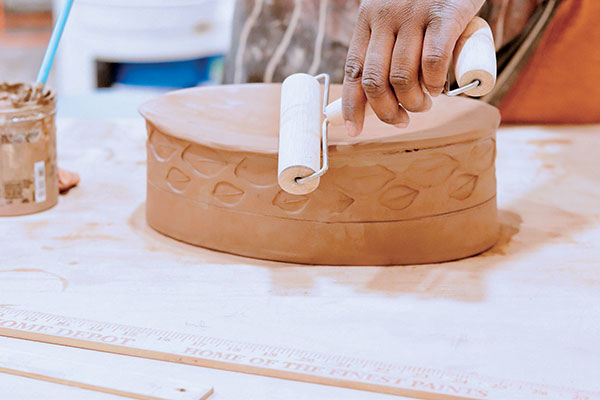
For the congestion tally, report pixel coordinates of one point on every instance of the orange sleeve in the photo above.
(561, 82)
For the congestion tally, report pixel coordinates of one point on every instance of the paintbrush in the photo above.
(50, 54)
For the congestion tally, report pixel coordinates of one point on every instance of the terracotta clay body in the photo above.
(420, 195)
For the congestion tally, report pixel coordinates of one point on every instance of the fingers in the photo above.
(440, 38)
(376, 82)
(399, 53)
(353, 97)
(405, 70)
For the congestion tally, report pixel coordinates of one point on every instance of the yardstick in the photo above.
(272, 361)
(98, 378)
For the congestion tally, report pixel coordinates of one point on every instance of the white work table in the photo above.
(528, 310)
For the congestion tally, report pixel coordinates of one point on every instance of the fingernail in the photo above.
(435, 92)
(402, 125)
(352, 129)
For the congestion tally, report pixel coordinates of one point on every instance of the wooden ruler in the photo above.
(272, 361)
(98, 378)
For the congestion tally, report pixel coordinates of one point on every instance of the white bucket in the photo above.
(166, 16)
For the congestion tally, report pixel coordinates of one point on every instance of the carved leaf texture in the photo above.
(399, 197)
(227, 193)
(161, 145)
(259, 171)
(483, 155)
(177, 180)
(432, 171)
(463, 186)
(290, 202)
(336, 202)
(364, 180)
(204, 161)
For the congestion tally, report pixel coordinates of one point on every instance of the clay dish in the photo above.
(420, 195)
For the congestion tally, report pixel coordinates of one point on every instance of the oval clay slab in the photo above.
(420, 195)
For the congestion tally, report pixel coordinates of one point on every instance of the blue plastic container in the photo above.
(177, 74)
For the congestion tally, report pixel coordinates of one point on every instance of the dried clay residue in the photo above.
(550, 142)
(22, 95)
(510, 225)
(64, 282)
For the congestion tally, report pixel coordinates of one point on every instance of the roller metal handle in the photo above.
(299, 169)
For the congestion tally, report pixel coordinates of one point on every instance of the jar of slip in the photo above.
(28, 181)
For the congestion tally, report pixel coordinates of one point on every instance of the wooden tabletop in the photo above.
(528, 310)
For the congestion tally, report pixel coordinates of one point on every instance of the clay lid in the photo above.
(246, 118)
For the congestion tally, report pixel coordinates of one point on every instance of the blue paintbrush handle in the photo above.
(54, 40)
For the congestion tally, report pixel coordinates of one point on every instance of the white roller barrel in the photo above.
(475, 58)
(299, 133)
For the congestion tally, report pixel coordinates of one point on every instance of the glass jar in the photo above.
(28, 180)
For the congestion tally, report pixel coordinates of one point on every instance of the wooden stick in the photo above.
(97, 378)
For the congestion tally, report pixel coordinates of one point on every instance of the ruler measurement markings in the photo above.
(263, 347)
(275, 349)
(315, 360)
(290, 352)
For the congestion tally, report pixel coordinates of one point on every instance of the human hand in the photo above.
(400, 47)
